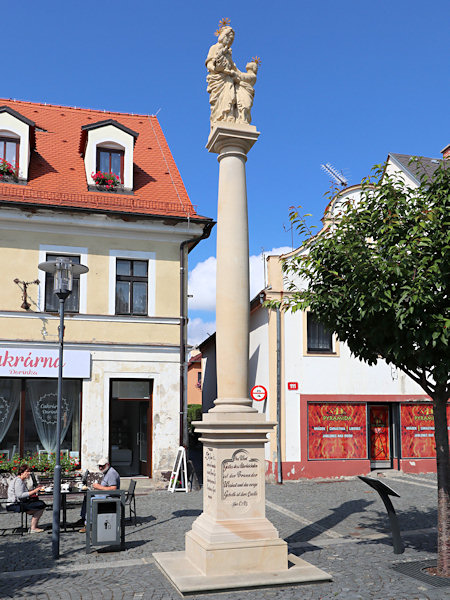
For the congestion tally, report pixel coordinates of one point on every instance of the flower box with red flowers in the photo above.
(7, 171)
(106, 181)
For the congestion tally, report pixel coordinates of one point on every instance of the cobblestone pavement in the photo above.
(340, 526)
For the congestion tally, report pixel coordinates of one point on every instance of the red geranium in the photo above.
(6, 168)
(110, 180)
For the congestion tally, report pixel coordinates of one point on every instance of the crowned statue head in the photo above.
(225, 33)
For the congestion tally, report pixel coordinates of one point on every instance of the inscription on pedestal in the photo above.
(240, 480)
(211, 473)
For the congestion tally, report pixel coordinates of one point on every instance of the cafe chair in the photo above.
(23, 515)
(130, 500)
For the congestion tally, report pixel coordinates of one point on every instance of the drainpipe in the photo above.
(183, 330)
(279, 474)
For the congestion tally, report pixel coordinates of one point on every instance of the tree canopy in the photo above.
(378, 275)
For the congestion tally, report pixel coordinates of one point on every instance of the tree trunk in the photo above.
(443, 481)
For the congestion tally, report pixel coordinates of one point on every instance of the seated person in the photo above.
(20, 499)
(110, 481)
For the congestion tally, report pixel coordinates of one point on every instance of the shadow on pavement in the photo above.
(375, 521)
(116, 549)
(338, 515)
(175, 515)
(409, 520)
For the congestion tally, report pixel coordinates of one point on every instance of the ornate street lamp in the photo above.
(63, 271)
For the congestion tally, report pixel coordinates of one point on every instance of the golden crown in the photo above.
(222, 23)
(256, 59)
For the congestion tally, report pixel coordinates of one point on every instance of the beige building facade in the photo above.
(125, 320)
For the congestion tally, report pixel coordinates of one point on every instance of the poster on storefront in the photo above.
(337, 430)
(417, 430)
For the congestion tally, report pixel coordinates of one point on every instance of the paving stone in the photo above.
(335, 518)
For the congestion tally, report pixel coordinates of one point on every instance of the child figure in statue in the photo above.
(245, 92)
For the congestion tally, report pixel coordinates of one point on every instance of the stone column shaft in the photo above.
(232, 288)
(231, 143)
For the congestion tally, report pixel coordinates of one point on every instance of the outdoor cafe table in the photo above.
(49, 495)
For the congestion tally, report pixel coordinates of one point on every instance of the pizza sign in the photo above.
(258, 393)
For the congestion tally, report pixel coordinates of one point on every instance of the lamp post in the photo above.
(63, 271)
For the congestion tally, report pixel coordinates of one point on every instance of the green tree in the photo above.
(379, 277)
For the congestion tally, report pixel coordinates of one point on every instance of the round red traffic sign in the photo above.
(258, 393)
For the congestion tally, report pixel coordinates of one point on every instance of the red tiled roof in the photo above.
(57, 176)
(195, 359)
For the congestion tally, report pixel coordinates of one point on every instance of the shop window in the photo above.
(131, 287)
(9, 151)
(319, 339)
(33, 403)
(40, 415)
(72, 303)
(110, 161)
(10, 392)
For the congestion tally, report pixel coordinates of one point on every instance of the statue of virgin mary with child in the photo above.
(231, 91)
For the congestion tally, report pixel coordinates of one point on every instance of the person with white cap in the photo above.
(111, 478)
(110, 481)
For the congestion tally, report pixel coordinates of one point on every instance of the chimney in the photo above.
(446, 151)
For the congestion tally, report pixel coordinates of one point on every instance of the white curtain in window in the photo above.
(43, 399)
(9, 401)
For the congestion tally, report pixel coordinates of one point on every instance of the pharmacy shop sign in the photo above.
(26, 362)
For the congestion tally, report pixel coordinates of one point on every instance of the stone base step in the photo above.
(187, 579)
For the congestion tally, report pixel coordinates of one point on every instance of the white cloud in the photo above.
(202, 280)
(199, 330)
(202, 285)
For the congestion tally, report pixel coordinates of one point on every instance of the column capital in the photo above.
(231, 135)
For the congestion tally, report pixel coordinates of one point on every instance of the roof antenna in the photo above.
(286, 229)
(334, 174)
(263, 257)
(156, 113)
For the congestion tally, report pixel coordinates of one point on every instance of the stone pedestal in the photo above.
(232, 544)
(232, 535)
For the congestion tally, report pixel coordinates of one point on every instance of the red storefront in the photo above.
(351, 435)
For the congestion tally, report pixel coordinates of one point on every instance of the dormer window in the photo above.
(108, 148)
(16, 140)
(110, 161)
(9, 151)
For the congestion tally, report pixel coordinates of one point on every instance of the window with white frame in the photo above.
(77, 301)
(131, 287)
(132, 283)
(72, 303)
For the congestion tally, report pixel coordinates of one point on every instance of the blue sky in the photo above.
(342, 82)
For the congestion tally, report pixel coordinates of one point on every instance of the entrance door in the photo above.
(130, 429)
(380, 455)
